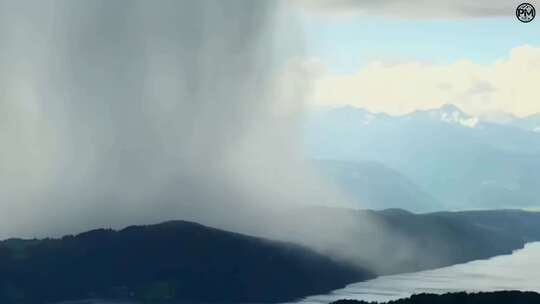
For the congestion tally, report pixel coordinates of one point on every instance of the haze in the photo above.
(115, 113)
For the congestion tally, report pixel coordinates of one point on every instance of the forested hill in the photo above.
(174, 261)
(500, 297)
(186, 262)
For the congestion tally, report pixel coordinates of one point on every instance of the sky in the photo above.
(114, 113)
(480, 59)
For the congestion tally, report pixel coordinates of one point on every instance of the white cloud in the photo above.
(509, 84)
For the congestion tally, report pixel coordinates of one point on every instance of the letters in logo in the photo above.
(525, 12)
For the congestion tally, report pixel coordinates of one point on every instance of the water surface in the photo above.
(518, 271)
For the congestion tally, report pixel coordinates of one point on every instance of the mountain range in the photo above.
(395, 240)
(375, 185)
(462, 161)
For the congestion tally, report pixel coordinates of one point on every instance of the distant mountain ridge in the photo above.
(395, 240)
(375, 186)
(531, 122)
(447, 113)
(464, 162)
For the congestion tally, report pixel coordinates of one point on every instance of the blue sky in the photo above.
(401, 62)
(346, 43)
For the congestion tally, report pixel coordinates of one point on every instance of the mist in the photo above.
(133, 112)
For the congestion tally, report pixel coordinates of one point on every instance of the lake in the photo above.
(518, 271)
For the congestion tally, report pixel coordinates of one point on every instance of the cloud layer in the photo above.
(508, 84)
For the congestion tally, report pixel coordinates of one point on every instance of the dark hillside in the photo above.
(177, 261)
(500, 297)
(396, 241)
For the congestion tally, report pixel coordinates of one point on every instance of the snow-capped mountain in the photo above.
(462, 160)
(448, 113)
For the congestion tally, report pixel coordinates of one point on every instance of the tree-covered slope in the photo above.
(500, 297)
(177, 261)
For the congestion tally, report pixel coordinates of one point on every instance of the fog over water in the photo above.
(519, 271)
